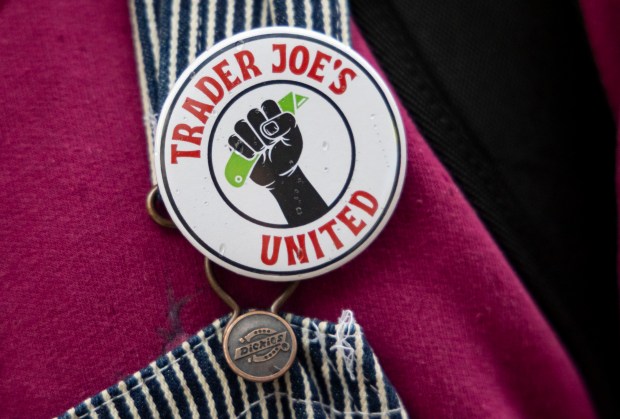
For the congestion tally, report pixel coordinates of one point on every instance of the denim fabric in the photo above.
(170, 34)
(335, 374)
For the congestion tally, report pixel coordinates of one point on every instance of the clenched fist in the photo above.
(273, 137)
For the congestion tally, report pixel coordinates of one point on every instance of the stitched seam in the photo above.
(323, 406)
(524, 261)
(457, 129)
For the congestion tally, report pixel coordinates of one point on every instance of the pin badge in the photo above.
(280, 154)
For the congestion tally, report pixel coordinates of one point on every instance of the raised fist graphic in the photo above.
(274, 139)
(274, 136)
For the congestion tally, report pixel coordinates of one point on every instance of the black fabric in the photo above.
(507, 95)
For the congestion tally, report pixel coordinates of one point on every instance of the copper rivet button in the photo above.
(260, 346)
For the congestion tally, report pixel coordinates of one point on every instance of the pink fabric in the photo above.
(91, 289)
(602, 19)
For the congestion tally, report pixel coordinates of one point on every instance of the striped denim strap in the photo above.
(336, 374)
(170, 34)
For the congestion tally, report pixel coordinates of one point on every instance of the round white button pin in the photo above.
(280, 154)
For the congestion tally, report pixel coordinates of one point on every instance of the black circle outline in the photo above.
(330, 261)
(223, 112)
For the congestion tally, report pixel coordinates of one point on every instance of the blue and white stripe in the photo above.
(170, 34)
(193, 381)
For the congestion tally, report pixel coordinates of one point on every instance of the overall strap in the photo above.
(169, 34)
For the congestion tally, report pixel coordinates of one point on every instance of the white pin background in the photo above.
(231, 240)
